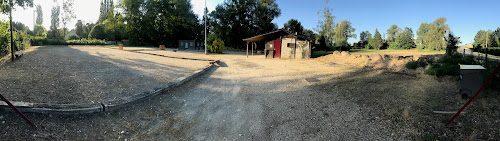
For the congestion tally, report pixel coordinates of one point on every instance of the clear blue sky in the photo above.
(465, 18)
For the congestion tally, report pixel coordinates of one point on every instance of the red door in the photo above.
(277, 48)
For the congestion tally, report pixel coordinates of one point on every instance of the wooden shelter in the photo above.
(281, 44)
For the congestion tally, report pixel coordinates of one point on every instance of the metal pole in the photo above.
(486, 52)
(11, 35)
(204, 10)
(17, 111)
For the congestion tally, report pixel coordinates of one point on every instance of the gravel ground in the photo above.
(83, 74)
(273, 99)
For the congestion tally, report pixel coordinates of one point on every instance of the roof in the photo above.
(276, 33)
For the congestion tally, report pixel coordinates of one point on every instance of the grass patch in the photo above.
(415, 64)
(316, 54)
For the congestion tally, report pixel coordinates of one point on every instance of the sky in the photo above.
(465, 17)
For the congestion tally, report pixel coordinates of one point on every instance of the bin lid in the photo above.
(472, 67)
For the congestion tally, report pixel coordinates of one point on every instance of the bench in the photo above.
(19, 54)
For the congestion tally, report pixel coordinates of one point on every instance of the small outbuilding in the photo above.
(281, 44)
(190, 44)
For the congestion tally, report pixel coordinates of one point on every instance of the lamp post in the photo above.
(205, 14)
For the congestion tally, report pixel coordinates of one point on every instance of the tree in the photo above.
(392, 33)
(376, 42)
(364, 37)
(326, 26)
(435, 37)
(404, 40)
(54, 23)
(67, 15)
(343, 31)
(235, 20)
(40, 31)
(422, 33)
(294, 26)
(309, 35)
(106, 5)
(7, 5)
(98, 32)
(79, 28)
(39, 14)
(451, 43)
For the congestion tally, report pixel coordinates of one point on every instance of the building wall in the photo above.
(302, 49)
(190, 44)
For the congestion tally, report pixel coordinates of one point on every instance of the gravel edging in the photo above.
(105, 106)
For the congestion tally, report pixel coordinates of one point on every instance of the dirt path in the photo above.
(242, 99)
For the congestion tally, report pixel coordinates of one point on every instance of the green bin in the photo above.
(471, 80)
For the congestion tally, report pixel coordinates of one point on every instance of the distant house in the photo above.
(190, 44)
(70, 33)
(417, 41)
(282, 44)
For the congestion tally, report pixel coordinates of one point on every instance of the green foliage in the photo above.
(376, 42)
(415, 64)
(449, 65)
(392, 33)
(343, 31)
(234, 20)
(39, 15)
(40, 30)
(5, 7)
(451, 44)
(106, 6)
(364, 37)
(326, 26)
(309, 35)
(98, 32)
(73, 37)
(294, 26)
(217, 46)
(54, 32)
(404, 40)
(491, 50)
(79, 28)
(4, 38)
(84, 41)
(432, 34)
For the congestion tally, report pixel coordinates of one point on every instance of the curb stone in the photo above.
(105, 106)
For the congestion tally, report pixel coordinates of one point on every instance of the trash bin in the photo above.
(471, 79)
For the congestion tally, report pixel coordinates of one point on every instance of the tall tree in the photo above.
(422, 33)
(392, 32)
(377, 41)
(39, 14)
(309, 35)
(67, 15)
(451, 43)
(435, 37)
(326, 25)
(294, 27)
(106, 6)
(404, 40)
(79, 28)
(364, 37)
(54, 23)
(40, 30)
(343, 31)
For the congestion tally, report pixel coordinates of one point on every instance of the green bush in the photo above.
(4, 38)
(97, 32)
(491, 50)
(74, 37)
(45, 41)
(442, 70)
(415, 64)
(217, 46)
(40, 31)
(21, 40)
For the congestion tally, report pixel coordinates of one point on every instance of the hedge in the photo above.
(45, 41)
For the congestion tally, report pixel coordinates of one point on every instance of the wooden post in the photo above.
(252, 47)
(247, 49)
(255, 47)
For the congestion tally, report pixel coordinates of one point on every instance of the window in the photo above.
(290, 45)
(182, 43)
(190, 43)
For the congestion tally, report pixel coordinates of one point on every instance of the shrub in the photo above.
(4, 38)
(21, 40)
(97, 32)
(415, 64)
(217, 46)
(73, 37)
(86, 42)
(491, 50)
(40, 31)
